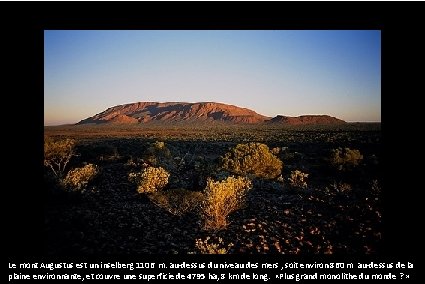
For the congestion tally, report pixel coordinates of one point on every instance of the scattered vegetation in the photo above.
(221, 199)
(375, 187)
(341, 187)
(158, 154)
(78, 178)
(177, 201)
(150, 180)
(214, 181)
(57, 154)
(275, 150)
(207, 246)
(252, 159)
(345, 159)
(298, 179)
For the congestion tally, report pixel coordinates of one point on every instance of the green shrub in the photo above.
(78, 178)
(221, 199)
(298, 179)
(252, 158)
(151, 179)
(57, 154)
(344, 159)
(177, 201)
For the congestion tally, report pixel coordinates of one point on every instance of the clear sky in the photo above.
(272, 72)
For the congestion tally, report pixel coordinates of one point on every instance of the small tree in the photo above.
(57, 155)
(252, 158)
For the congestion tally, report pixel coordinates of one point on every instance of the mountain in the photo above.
(174, 112)
(145, 112)
(306, 119)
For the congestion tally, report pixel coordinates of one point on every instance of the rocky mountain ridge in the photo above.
(169, 112)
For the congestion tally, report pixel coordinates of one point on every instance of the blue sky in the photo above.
(272, 72)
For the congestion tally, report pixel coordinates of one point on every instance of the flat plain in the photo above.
(336, 209)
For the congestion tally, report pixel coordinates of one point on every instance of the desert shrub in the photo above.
(341, 187)
(177, 201)
(375, 186)
(208, 247)
(57, 154)
(275, 150)
(276, 184)
(221, 199)
(298, 179)
(252, 158)
(158, 153)
(344, 159)
(151, 179)
(280, 179)
(110, 154)
(78, 178)
(131, 162)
